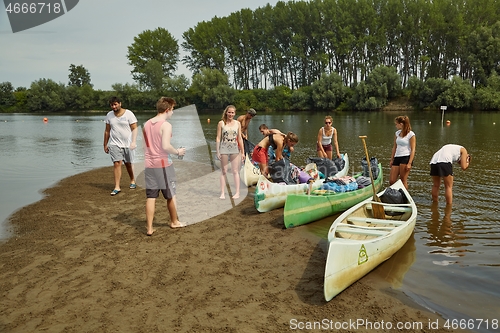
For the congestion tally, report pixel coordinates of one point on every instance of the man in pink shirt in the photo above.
(159, 170)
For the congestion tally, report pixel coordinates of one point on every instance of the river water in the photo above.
(451, 264)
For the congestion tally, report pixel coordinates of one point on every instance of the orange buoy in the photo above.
(45, 120)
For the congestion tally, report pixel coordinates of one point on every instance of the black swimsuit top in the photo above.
(271, 142)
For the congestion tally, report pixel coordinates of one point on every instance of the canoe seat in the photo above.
(392, 208)
(355, 219)
(364, 227)
(362, 231)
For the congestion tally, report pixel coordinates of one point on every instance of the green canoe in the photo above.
(302, 208)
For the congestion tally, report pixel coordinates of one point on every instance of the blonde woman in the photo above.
(326, 136)
(403, 151)
(229, 145)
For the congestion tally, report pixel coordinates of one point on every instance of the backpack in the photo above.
(392, 196)
(325, 165)
(373, 164)
(282, 172)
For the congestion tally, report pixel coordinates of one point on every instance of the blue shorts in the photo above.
(121, 154)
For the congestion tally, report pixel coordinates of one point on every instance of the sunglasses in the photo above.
(328, 122)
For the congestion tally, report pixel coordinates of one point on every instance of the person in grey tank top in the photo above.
(229, 144)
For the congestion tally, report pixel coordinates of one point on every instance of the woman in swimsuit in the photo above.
(278, 142)
(326, 135)
(229, 148)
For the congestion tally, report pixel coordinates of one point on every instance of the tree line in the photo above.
(316, 55)
(294, 43)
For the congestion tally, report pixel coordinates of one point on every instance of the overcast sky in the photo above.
(96, 34)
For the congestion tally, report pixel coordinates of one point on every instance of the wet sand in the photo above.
(80, 261)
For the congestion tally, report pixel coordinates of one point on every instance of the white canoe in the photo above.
(250, 173)
(358, 242)
(269, 195)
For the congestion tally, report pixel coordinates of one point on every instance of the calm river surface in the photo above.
(452, 262)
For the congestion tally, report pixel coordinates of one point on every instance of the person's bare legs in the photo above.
(172, 210)
(448, 189)
(394, 174)
(224, 161)
(403, 174)
(130, 170)
(329, 154)
(235, 168)
(264, 169)
(436, 183)
(150, 214)
(117, 171)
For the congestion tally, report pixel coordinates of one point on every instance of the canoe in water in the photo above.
(301, 208)
(269, 195)
(358, 242)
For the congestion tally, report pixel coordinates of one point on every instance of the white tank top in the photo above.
(326, 140)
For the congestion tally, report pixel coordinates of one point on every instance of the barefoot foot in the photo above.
(177, 225)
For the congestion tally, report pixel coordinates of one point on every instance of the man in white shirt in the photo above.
(120, 142)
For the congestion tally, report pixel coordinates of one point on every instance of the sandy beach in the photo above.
(80, 261)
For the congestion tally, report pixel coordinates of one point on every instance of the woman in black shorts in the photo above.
(442, 168)
(403, 151)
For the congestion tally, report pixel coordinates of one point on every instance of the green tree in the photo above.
(126, 92)
(382, 83)
(211, 87)
(78, 76)
(177, 88)
(328, 92)
(80, 98)
(133, 97)
(301, 99)
(484, 52)
(366, 97)
(383, 75)
(46, 95)
(157, 45)
(279, 98)
(488, 97)
(7, 97)
(204, 46)
(153, 75)
(459, 95)
(427, 93)
(21, 96)
(245, 99)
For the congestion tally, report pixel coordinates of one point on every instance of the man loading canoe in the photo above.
(278, 142)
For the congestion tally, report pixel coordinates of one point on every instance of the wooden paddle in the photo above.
(378, 210)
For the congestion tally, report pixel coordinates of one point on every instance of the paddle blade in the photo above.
(378, 210)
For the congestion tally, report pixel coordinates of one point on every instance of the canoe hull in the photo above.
(249, 174)
(302, 208)
(358, 243)
(269, 195)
